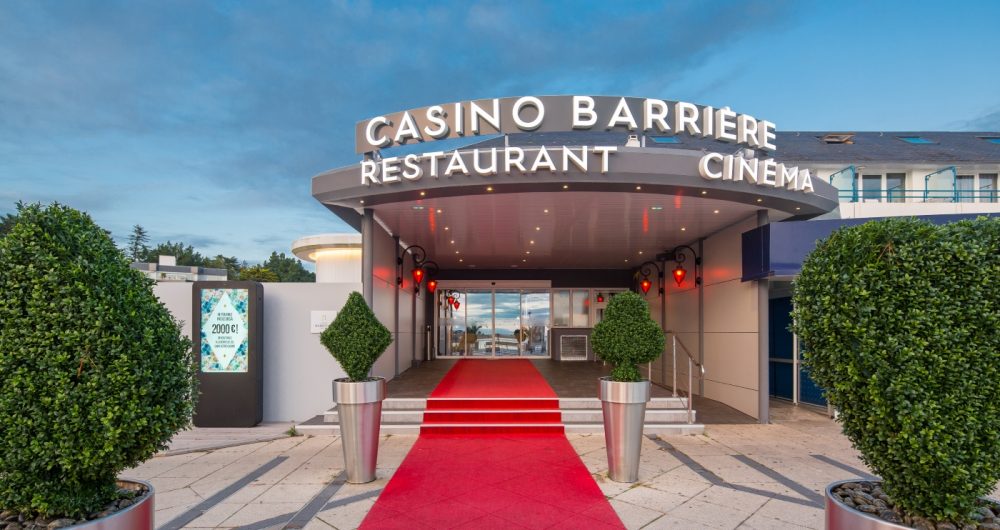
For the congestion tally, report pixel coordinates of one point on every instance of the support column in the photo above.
(763, 319)
(701, 313)
(395, 302)
(367, 255)
(662, 287)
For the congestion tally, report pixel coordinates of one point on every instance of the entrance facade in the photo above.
(493, 323)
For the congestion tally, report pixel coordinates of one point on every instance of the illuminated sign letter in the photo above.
(583, 106)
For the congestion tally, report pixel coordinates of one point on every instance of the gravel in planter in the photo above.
(11, 520)
(869, 498)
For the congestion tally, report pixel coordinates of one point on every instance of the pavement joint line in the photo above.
(315, 505)
(845, 467)
(716, 480)
(187, 517)
(212, 448)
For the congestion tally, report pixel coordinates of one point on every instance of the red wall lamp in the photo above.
(645, 270)
(422, 268)
(679, 272)
(452, 299)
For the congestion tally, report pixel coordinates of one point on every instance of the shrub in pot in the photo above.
(356, 339)
(95, 376)
(626, 337)
(900, 320)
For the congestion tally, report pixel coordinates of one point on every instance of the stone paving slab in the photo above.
(732, 476)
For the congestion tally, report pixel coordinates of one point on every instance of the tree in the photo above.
(627, 337)
(96, 375)
(136, 247)
(231, 264)
(258, 273)
(7, 223)
(899, 319)
(288, 269)
(185, 254)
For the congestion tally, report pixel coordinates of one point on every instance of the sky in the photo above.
(204, 121)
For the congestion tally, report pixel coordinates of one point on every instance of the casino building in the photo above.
(510, 240)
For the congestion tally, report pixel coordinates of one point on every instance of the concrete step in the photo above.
(594, 403)
(652, 416)
(332, 429)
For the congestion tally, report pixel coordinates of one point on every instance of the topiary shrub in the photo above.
(356, 338)
(95, 375)
(901, 325)
(627, 337)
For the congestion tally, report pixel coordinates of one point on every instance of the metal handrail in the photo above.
(691, 364)
(986, 195)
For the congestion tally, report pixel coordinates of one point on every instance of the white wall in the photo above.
(298, 370)
(731, 326)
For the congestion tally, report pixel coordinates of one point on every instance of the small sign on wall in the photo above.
(320, 320)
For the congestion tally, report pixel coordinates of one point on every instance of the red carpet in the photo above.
(483, 462)
(492, 397)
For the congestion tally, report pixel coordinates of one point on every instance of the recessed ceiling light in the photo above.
(543, 211)
(460, 260)
(446, 228)
(638, 187)
(704, 192)
(439, 210)
(565, 186)
(452, 241)
(797, 208)
(362, 201)
(537, 228)
(626, 260)
(760, 200)
(532, 242)
(418, 207)
(489, 188)
(640, 252)
(656, 208)
(527, 252)
(683, 229)
(423, 193)
(456, 252)
(716, 211)
(524, 261)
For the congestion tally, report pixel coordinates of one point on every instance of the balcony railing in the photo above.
(919, 196)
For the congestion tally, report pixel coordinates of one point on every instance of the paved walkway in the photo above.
(733, 476)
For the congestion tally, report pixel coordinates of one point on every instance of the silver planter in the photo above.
(359, 408)
(139, 516)
(624, 406)
(839, 516)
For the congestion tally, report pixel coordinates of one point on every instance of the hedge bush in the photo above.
(900, 320)
(95, 375)
(356, 338)
(627, 336)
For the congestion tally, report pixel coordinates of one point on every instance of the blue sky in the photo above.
(204, 121)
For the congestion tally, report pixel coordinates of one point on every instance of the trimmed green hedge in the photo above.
(900, 320)
(627, 336)
(95, 375)
(356, 338)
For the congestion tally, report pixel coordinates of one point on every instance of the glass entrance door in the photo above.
(494, 323)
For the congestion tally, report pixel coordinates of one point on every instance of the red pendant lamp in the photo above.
(456, 304)
(418, 275)
(645, 284)
(679, 274)
(431, 286)
(451, 300)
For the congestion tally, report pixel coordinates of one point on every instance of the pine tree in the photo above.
(136, 248)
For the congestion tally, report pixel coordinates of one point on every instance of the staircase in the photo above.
(504, 415)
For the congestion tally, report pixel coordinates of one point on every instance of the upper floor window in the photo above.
(988, 187)
(991, 139)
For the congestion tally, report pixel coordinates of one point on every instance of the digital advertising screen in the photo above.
(224, 330)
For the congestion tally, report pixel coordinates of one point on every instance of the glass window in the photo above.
(479, 322)
(895, 185)
(915, 140)
(560, 308)
(988, 187)
(964, 188)
(581, 309)
(666, 139)
(871, 187)
(534, 335)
